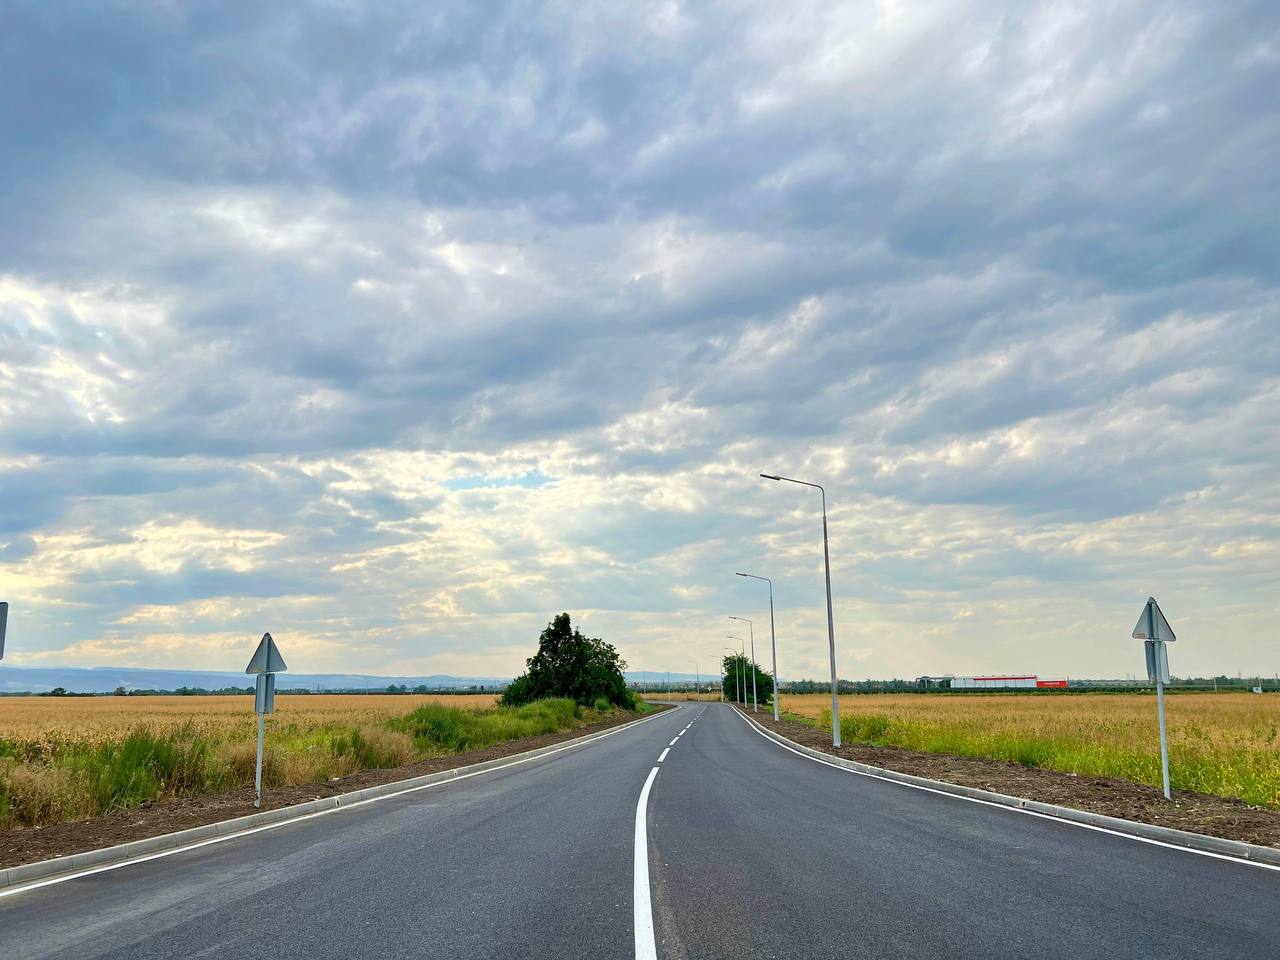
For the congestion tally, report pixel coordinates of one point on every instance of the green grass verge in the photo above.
(52, 781)
(1202, 764)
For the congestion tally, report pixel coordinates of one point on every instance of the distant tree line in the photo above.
(1077, 686)
(248, 691)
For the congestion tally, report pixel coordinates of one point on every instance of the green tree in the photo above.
(737, 674)
(569, 664)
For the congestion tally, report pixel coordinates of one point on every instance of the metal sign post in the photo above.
(266, 663)
(1153, 628)
(4, 620)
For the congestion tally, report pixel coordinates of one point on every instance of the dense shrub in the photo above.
(735, 677)
(568, 664)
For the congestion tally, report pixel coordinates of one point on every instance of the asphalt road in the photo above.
(750, 851)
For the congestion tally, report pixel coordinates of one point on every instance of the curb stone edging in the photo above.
(1236, 849)
(104, 856)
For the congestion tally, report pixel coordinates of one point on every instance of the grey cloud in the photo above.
(987, 263)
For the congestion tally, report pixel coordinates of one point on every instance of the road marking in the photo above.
(1001, 806)
(143, 858)
(663, 756)
(646, 949)
(673, 742)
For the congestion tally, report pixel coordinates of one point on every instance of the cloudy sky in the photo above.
(396, 328)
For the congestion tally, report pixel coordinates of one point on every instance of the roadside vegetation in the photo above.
(568, 664)
(1226, 744)
(736, 674)
(53, 771)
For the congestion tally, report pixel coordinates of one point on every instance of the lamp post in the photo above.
(751, 630)
(773, 640)
(742, 681)
(831, 624)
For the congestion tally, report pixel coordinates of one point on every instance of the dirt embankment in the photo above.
(1196, 812)
(167, 816)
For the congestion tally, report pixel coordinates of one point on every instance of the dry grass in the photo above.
(96, 718)
(65, 758)
(1222, 743)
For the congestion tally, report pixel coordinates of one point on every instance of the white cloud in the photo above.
(397, 334)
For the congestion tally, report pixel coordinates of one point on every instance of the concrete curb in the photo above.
(1148, 831)
(73, 863)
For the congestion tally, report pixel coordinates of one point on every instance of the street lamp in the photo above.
(755, 701)
(773, 640)
(742, 681)
(831, 624)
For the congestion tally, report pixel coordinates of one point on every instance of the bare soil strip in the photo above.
(1196, 812)
(168, 816)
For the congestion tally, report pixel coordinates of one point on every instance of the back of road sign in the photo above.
(264, 700)
(1152, 625)
(1157, 664)
(266, 659)
(4, 620)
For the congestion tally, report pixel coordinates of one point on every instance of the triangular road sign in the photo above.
(1152, 625)
(266, 659)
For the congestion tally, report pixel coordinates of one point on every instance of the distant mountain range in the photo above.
(107, 679)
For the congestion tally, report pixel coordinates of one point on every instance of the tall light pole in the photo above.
(773, 640)
(831, 624)
(742, 681)
(751, 630)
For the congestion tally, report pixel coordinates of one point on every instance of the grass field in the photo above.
(96, 718)
(64, 758)
(1220, 743)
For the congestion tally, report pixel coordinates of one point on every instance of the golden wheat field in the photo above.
(67, 758)
(1221, 743)
(98, 718)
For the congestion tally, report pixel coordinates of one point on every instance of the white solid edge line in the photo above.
(663, 755)
(1021, 810)
(143, 858)
(646, 948)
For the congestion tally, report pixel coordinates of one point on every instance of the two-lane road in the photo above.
(761, 852)
(744, 849)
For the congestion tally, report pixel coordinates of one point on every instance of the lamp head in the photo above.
(770, 476)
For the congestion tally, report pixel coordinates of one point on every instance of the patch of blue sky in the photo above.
(533, 478)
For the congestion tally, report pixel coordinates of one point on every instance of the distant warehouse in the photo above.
(1024, 681)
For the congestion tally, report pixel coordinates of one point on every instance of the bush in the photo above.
(736, 673)
(568, 664)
